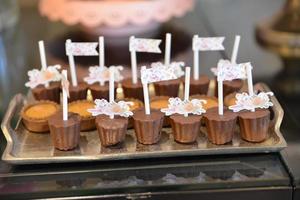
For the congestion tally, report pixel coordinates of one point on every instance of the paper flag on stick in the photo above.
(157, 73)
(228, 71)
(144, 45)
(208, 43)
(81, 48)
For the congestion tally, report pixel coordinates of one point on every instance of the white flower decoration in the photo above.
(43, 77)
(184, 107)
(103, 107)
(246, 102)
(101, 74)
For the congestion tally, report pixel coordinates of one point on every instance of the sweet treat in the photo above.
(81, 107)
(111, 131)
(230, 87)
(185, 129)
(101, 92)
(78, 93)
(220, 128)
(136, 104)
(148, 127)
(158, 103)
(65, 134)
(199, 86)
(230, 99)
(211, 102)
(167, 88)
(254, 125)
(35, 116)
(133, 90)
(51, 93)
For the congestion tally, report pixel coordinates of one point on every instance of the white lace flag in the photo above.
(226, 71)
(81, 48)
(157, 73)
(144, 45)
(208, 43)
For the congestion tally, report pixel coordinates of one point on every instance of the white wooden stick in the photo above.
(133, 63)
(146, 97)
(235, 49)
(101, 52)
(187, 83)
(249, 80)
(220, 97)
(43, 57)
(111, 84)
(65, 98)
(196, 60)
(72, 67)
(168, 49)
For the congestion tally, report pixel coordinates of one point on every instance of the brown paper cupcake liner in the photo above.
(167, 88)
(185, 129)
(78, 93)
(131, 90)
(167, 121)
(101, 92)
(52, 93)
(199, 86)
(230, 87)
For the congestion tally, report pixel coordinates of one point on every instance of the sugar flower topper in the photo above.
(227, 71)
(161, 72)
(65, 84)
(103, 107)
(43, 77)
(101, 74)
(246, 102)
(183, 107)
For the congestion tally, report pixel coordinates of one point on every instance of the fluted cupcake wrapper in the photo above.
(167, 88)
(254, 130)
(52, 93)
(112, 134)
(148, 132)
(199, 86)
(185, 132)
(220, 132)
(87, 124)
(101, 92)
(131, 90)
(65, 138)
(230, 87)
(77, 93)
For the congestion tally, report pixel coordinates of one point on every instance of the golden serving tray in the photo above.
(24, 147)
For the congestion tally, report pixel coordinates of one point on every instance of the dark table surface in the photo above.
(19, 52)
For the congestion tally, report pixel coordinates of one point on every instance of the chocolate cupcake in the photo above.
(254, 125)
(220, 128)
(111, 131)
(51, 93)
(80, 107)
(185, 129)
(101, 92)
(158, 103)
(199, 86)
(148, 127)
(35, 116)
(167, 88)
(137, 104)
(230, 87)
(78, 92)
(65, 134)
(131, 90)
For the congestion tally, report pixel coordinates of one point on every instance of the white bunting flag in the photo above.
(155, 74)
(144, 45)
(228, 71)
(81, 48)
(208, 43)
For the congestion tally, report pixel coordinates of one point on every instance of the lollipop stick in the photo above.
(220, 97)
(43, 57)
(133, 62)
(250, 81)
(235, 48)
(168, 49)
(196, 60)
(65, 97)
(187, 85)
(101, 52)
(111, 87)
(72, 67)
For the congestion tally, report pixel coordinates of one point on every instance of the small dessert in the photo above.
(148, 127)
(135, 105)
(199, 86)
(78, 92)
(111, 120)
(254, 125)
(167, 88)
(220, 128)
(35, 116)
(185, 118)
(131, 90)
(255, 119)
(101, 92)
(65, 134)
(230, 87)
(111, 131)
(211, 102)
(51, 93)
(158, 103)
(81, 107)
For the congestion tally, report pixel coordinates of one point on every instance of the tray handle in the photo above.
(6, 122)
